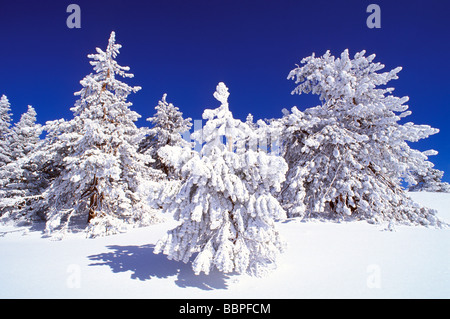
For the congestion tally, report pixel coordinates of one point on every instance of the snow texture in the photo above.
(322, 260)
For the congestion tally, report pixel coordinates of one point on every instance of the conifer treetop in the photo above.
(103, 87)
(5, 115)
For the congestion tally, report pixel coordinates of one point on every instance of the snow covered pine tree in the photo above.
(168, 127)
(25, 134)
(17, 178)
(348, 157)
(101, 174)
(226, 207)
(167, 130)
(5, 131)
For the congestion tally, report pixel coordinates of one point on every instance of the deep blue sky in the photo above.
(184, 48)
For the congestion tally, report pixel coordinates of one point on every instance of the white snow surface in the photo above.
(322, 260)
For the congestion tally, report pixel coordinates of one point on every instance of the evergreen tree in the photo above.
(25, 134)
(168, 127)
(99, 171)
(18, 177)
(5, 131)
(226, 207)
(348, 156)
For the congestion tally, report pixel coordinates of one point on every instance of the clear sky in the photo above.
(184, 48)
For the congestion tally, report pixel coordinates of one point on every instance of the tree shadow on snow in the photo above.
(145, 265)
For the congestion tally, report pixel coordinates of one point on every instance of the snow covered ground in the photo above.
(323, 260)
